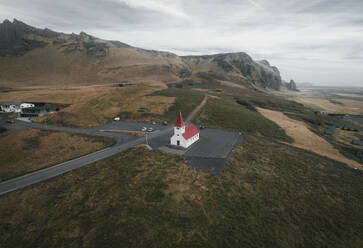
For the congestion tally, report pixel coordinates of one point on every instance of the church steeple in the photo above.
(179, 121)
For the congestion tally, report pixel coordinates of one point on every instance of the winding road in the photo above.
(123, 142)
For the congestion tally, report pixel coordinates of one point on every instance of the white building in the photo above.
(26, 105)
(15, 107)
(184, 136)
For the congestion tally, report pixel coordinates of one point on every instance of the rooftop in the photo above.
(190, 131)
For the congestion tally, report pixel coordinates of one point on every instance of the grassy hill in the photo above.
(268, 196)
(86, 61)
(30, 56)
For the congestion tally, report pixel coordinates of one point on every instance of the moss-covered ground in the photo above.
(268, 196)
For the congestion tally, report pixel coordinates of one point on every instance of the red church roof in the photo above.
(179, 122)
(190, 131)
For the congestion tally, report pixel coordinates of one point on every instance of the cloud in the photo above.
(255, 4)
(169, 7)
(313, 40)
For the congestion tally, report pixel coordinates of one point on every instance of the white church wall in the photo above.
(182, 142)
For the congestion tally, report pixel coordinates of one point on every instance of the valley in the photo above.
(274, 166)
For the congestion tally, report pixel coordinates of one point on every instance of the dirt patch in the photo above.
(306, 139)
(201, 90)
(230, 84)
(347, 106)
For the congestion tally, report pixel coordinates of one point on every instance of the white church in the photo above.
(184, 136)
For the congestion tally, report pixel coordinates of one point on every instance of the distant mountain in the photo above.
(29, 55)
(291, 85)
(305, 85)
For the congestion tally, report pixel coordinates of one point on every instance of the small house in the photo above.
(15, 107)
(33, 112)
(10, 107)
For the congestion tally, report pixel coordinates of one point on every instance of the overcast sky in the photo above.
(319, 41)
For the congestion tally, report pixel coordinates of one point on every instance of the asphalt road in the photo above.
(124, 142)
(119, 137)
(47, 173)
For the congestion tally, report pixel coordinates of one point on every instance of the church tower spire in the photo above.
(179, 121)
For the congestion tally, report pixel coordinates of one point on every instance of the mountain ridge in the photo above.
(41, 56)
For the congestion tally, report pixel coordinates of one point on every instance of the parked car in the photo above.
(144, 129)
(165, 123)
(116, 119)
(201, 127)
(150, 129)
(154, 123)
(10, 121)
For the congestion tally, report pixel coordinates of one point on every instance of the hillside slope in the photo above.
(32, 56)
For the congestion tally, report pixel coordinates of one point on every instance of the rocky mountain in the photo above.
(14, 40)
(29, 55)
(291, 85)
(239, 67)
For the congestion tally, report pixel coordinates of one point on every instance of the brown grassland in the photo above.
(92, 106)
(230, 84)
(305, 138)
(347, 106)
(30, 150)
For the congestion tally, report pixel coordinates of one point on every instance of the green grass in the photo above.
(268, 196)
(186, 101)
(204, 81)
(30, 150)
(276, 103)
(232, 109)
(235, 108)
(227, 113)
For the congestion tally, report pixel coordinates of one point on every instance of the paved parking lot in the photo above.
(130, 126)
(213, 143)
(161, 140)
(209, 154)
